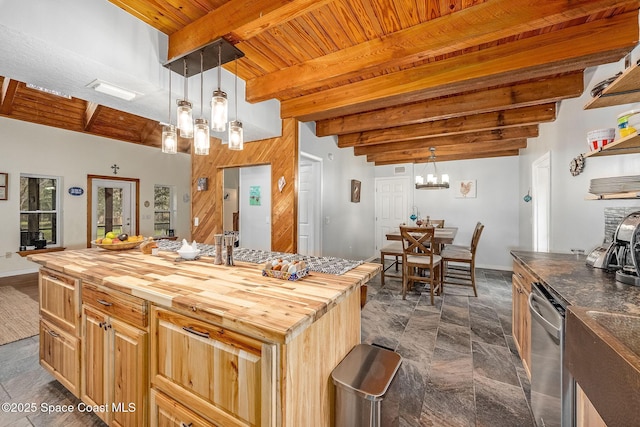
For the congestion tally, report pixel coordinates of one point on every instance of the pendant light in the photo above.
(235, 127)
(201, 140)
(433, 182)
(219, 104)
(185, 115)
(169, 136)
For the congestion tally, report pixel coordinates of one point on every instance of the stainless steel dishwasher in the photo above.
(552, 386)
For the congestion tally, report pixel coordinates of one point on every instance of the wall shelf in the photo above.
(614, 196)
(630, 144)
(624, 90)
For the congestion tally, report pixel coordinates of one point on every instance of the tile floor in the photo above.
(459, 367)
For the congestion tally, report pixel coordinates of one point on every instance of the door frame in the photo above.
(319, 187)
(136, 198)
(541, 197)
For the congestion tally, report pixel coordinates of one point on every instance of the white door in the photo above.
(541, 198)
(112, 207)
(310, 205)
(392, 206)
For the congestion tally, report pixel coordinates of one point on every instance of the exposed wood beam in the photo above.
(243, 18)
(473, 26)
(147, 131)
(450, 150)
(505, 134)
(515, 96)
(457, 125)
(466, 156)
(565, 50)
(90, 115)
(9, 89)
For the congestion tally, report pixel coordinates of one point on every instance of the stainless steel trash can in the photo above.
(361, 380)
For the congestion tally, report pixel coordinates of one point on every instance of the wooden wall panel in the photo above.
(281, 153)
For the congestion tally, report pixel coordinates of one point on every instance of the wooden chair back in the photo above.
(476, 237)
(417, 241)
(438, 223)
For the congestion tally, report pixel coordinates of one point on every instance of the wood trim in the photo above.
(90, 179)
(90, 115)
(9, 89)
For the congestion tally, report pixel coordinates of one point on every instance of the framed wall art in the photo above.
(4, 181)
(465, 189)
(355, 191)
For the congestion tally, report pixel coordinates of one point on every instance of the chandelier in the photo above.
(432, 181)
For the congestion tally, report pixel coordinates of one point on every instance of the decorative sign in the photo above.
(355, 191)
(465, 189)
(4, 177)
(76, 191)
(254, 195)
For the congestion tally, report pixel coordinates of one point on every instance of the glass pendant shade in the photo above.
(185, 119)
(236, 141)
(169, 139)
(219, 111)
(201, 139)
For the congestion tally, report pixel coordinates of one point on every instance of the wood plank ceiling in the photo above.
(391, 78)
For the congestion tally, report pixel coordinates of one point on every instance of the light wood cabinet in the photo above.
(60, 355)
(60, 327)
(114, 353)
(586, 413)
(224, 376)
(521, 317)
(166, 412)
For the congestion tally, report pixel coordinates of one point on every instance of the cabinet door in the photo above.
(130, 379)
(223, 375)
(516, 315)
(95, 389)
(60, 355)
(525, 327)
(60, 299)
(166, 412)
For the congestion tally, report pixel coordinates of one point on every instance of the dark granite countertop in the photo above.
(581, 285)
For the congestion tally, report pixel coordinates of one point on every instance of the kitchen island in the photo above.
(602, 333)
(192, 342)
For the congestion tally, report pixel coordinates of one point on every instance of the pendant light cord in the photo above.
(201, 80)
(219, 65)
(185, 79)
(169, 94)
(236, 88)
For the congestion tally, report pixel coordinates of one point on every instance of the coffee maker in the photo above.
(623, 254)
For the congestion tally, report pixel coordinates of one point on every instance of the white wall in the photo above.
(576, 223)
(495, 205)
(43, 150)
(347, 228)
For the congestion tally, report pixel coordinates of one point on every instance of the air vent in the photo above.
(399, 170)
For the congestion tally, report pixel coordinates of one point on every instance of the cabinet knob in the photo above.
(186, 425)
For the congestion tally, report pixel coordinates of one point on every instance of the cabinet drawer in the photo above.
(166, 412)
(224, 376)
(60, 355)
(523, 275)
(127, 308)
(60, 299)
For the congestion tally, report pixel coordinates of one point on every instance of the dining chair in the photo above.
(418, 258)
(392, 249)
(463, 271)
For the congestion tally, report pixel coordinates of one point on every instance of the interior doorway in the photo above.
(310, 205)
(541, 198)
(112, 206)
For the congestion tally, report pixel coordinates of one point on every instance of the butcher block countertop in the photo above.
(236, 297)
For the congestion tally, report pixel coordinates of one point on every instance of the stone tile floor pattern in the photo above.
(459, 365)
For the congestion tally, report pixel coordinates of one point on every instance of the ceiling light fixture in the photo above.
(112, 90)
(433, 182)
(185, 114)
(201, 141)
(169, 135)
(219, 104)
(236, 141)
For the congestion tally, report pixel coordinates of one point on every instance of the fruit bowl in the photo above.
(118, 246)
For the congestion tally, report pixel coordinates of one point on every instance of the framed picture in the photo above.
(465, 189)
(355, 191)
(4, 177)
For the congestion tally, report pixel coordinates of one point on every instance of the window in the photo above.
(39, 209)
(163, 210)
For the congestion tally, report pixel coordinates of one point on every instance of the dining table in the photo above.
(441, 236)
